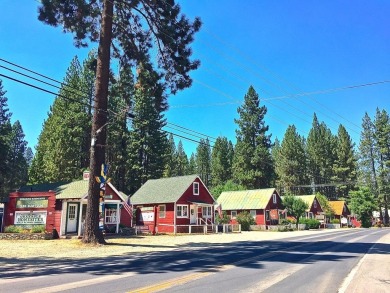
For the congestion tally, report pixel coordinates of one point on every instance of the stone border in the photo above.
(26, 236)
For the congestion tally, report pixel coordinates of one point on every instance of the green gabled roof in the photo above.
(164, 190)
(43, 187)
(76, 189)
(245, 199)
(307, 199)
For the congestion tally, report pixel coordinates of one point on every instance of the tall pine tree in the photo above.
(252, 163)
(291, 166)
(203, 160)
(221, 161)
(147, 142)
(344, 168)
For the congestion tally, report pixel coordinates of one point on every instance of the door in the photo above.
(71, 224)
(193, 214)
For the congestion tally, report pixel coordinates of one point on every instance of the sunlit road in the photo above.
(317, 263)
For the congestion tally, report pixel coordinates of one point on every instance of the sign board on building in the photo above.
(274, 215)
(147, 216)
(31, 202)
(30, 218)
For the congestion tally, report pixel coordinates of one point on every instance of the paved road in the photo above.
(317, 263)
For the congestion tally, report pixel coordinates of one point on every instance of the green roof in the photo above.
(76, 189)
(43, 187)
(308, 199)
(164, 190)
(245, 199)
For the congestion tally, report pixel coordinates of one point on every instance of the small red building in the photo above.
(180, 204)
(62, 206)
(265, 205)
(315, 209)
(341, 212)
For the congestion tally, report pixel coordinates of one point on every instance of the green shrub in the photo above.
(335, 221)
(224, 220)
(13, 229)
(310, 223)
(245, 219)
(38, 229)
(284, 222)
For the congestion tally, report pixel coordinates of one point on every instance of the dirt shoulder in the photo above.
(73, 248)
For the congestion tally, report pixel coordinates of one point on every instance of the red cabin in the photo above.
(180, 204)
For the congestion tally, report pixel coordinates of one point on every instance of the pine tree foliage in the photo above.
(203, 160)
(14, 166)
(18, 166)
(118, 134)
(147, 139)
(344, 167)
(170, 158)
(321, 145)
(221, 161)
(252, 163)
(192, 165)
(5, 135)
(291, 162)
(61, 153)
(181, 160)
(382, 138)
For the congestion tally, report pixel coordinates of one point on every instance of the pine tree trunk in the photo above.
(92, 234)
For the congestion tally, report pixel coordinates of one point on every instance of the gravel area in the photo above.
(73, 248)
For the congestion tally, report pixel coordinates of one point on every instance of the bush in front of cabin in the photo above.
(310, 223)
(245, 219)
(224, 220)
(335, 221)
(38, 229)
(13, 229)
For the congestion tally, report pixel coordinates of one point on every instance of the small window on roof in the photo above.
(274, 198)
(196, 188)
(315, 204)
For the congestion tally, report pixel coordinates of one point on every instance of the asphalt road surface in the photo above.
(317, 263)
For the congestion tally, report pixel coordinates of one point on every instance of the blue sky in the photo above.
(279, 47)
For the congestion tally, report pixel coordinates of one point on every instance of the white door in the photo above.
(193, 214)
(71, 224)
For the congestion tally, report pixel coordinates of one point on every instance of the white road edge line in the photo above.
(351, 275)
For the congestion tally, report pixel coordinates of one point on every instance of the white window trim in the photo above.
(164, 211)
(315, 204)
(208, 212)
(195, 190)
(231, 214)
(274, 198)
(180, 207)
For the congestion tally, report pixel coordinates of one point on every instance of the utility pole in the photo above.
(92, 234)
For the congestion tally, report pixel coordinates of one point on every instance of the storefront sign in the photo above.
(31, 202)
(274, 215)
(147, 216)
(30, 218)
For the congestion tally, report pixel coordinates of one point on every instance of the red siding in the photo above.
(315, 207)
(10, 208)
(166, 225)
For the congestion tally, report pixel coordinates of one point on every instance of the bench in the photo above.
(141, 229)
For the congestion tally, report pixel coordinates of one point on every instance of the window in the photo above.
(253, 214)
(182, 211)
(206, 212)
(196, 188)
(315, 204)
(161, 213)
(234, 214)
(274, 198)
(72, 212)
(110, 215)
(267, 217)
